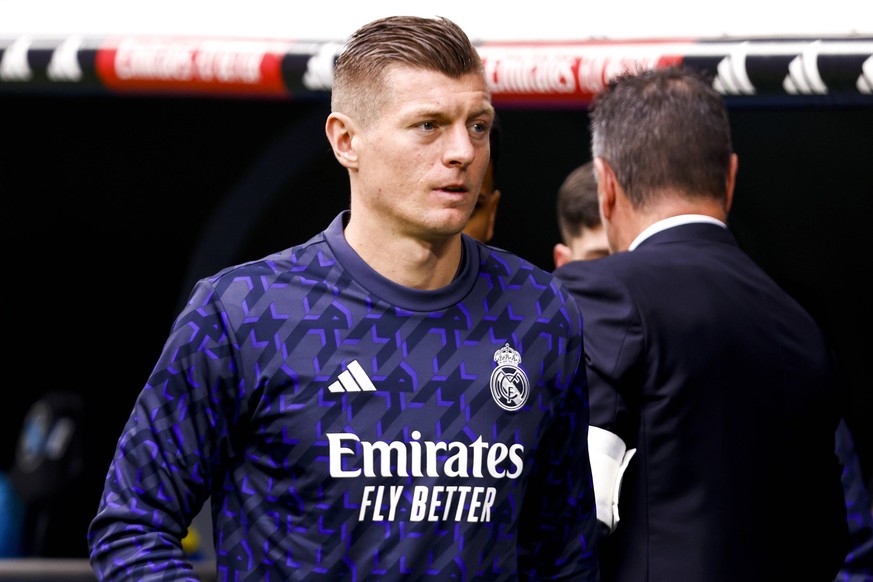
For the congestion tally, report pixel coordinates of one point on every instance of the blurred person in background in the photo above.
(582, 234)
(481, 223)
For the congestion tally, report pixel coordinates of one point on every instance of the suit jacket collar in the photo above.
(671, 222)
(691, 232)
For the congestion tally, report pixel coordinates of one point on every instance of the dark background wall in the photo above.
(111, 207)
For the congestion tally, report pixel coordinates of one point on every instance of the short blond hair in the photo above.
(435, 44)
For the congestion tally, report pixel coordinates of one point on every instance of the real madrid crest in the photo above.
(509, 384)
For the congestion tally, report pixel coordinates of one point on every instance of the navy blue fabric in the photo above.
(726, 388)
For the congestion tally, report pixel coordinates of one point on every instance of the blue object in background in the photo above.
(11, 519)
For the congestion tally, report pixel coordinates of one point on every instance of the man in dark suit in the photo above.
(713, 393)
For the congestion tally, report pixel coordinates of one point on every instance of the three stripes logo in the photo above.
(353, 379)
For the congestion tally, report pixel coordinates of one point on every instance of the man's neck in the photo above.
(651, 220)
(419, 264)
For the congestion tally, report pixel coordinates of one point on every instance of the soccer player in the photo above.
(388, 400)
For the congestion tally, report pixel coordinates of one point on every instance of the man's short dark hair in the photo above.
(662, 130)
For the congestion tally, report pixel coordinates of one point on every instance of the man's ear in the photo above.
(606, 187)
(731, 182)
(562, 255)
(340, 130)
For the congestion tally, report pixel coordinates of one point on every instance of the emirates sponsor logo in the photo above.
(352, 458)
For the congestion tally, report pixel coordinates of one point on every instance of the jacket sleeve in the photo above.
(614, 342)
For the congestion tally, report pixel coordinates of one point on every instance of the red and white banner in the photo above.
(545, 74)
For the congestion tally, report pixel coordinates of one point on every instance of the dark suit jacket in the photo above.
(726, 387)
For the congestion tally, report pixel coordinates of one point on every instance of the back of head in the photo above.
(577, 202)
(484, 217)
(434, 44)
(663, 131)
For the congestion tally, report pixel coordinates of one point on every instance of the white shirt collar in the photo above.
(670, 223)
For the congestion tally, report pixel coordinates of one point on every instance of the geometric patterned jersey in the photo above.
(347, 428)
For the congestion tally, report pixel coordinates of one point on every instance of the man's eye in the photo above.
(428, 125)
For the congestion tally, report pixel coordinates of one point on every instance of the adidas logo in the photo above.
(353, 379)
